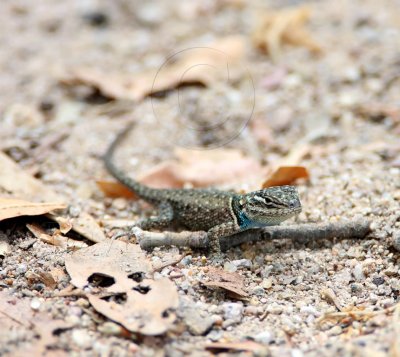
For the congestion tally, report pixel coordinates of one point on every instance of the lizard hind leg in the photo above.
(164, 217)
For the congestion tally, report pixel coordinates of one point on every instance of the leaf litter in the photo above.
(285, 26)
(117, 276)
(232, 283)
(219, 167)
(20, 185)
(223, 53)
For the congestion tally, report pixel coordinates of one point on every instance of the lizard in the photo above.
(220, 213)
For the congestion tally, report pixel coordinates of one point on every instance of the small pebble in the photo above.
(264, 337)
(187, 260)
(396, 240)
(335, 331)
(242, 263)
(378, 280)
(310, 310)
(275, 309)
(358, 272)
(81, 338)
(21, 269)
(215, 335)
(232, 310)
(230, 267)
(259, 291)
(35, 304)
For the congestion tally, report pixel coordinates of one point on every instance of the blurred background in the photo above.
(222, 93)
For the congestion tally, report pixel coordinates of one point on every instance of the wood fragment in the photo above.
(354, 314)
(299, 232)
(330, 296)
(149, 240)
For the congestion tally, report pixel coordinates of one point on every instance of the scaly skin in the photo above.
(220, 213)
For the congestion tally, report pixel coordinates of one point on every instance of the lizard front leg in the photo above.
(221, 230)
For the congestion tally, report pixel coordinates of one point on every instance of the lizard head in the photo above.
(269, 206)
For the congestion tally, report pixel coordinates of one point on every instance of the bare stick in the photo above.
(150, 240)
(301, 232)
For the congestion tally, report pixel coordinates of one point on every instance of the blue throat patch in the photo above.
(244, 221)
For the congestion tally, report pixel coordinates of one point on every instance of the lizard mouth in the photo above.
(297, 209)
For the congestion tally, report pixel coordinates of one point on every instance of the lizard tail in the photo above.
(142, 191)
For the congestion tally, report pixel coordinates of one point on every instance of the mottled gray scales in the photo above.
(220, 213)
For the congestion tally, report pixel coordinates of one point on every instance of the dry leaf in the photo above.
(86, 226)
(17, 314)
(185, 67)
(149, 307)
(249, 346)
(276, 28)
(65, 224)
(231, 282)
(10, 208)
(56, 239)
(41, 276)
(115, 189)
(15, 181)
(204, 169)
(286, 175)
(136, 302)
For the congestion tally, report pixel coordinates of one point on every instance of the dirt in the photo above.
(337, 110)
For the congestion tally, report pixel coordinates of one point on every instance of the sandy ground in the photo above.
(341, 106)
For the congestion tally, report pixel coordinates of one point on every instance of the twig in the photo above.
(355, 315)
(150, 240)
(169, 263)
(301, 232)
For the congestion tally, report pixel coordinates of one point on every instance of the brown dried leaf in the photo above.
(42, 276)
(15, 181)
(115, 189)
(10, 208)
(56, 239)
(65, 224)
(203, 169)
(233, 283)
(286, 175)
(110, 258)
(276, 28)
(148, 309)
(16, 313)
(86, 226)
(138, 303)
(188, 68)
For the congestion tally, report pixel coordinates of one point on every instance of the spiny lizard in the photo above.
(220, 213)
